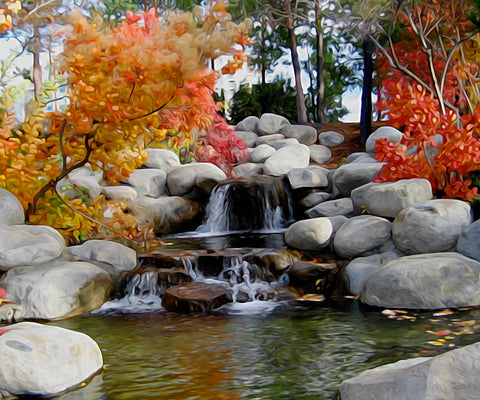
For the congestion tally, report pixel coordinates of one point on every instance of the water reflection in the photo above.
(285, 353)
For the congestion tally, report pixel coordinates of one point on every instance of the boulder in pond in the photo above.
(195, 297)
(350, 176)
(449, 376)
(312, 277)
(42, 360)
(388, 199)
(270, 124)
(57, 291)
(286, 159)
(315, 198)
(431, 226)
(28, 245)
(309, 234)
(11, 210)
(361, 234)
(425, 281)
(469, 242)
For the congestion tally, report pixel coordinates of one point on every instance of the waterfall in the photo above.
(260, 203)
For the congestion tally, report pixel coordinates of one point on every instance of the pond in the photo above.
(259, 350)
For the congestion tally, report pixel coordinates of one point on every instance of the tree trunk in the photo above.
(37, 70)
(366, 109)
(301, 108)
(321, 112)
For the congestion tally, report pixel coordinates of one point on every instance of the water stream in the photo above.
(258, 346)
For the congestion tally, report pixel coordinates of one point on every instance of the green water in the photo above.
(288, 353)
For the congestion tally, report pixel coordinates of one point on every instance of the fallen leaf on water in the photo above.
(443, 312)
(465, 323)
(425, 351)
(439, 342)
(441, 333)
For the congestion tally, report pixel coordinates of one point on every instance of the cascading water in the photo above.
(261, 203)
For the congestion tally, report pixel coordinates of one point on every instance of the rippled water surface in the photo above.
(257, 353)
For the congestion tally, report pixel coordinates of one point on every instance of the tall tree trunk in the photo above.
(301, 108)
(37, 70)
(321, 109)
(366, 109)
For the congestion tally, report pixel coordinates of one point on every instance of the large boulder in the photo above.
(384, 132)
(148, 182)
(350, 176)
(163, 159)
(88, 179)
(247, 170)
(310, 234)
(431, 226)
(330, 138)
(286, 159)
(120, 193)
(28, 245)
(309, 177)
(167, 214)
(312, 277)
(449, 376)
(261, 153)
(42, 360)
(361, 234)
(270, 124)
(425, 281)
(57, 291)
(305, 134)
(343, 206)
(320, 154)
(248, 137)
(185, 178)
(11, 210)
(360, 268)
(388, 199)
(249, 123)
(314, 198)
(469, 242)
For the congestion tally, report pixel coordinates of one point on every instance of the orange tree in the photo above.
(145, 82)
(430, 88)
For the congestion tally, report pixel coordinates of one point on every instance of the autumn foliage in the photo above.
(429, 88)
(145, 82)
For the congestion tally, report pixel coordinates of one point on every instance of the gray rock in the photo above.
(361, 234)
(260, 153)
(119, 193)
(247, 170)
(270, 124)
(363, 158)
(163, 159)
(449, 376)
(165, 213)
(330, 208)
(387, 132)
(310, 234)
(330, 138)
(425, 281)
(286, 159)
(388, 199)
(359, 269)
(28, 245)
(45, 360)
(309, 177)
(269, 139)
(248, 124)
(359, 154)
(85, 177)
(148, 182)
(248, 137)
(57, 291)
(431, 226)
(205, 176)
(11, 210)
(305, 134)
(350, 176)
(320, 154)
(278, 144)
(469, 242)
(315, 198)
(121, 257)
